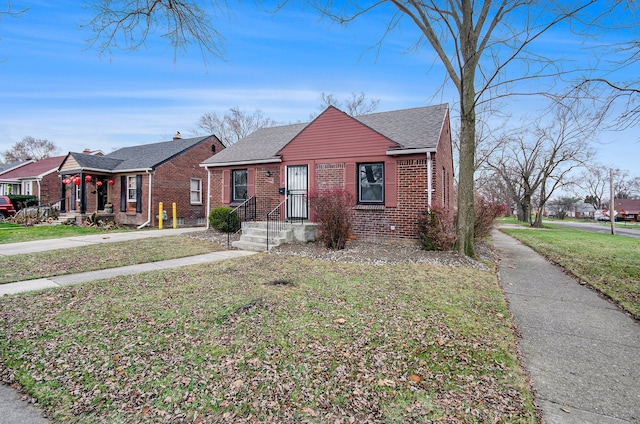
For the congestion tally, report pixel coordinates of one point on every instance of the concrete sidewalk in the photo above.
(582, 352)
(83, 277)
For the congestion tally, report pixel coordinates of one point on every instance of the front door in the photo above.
(102, 192)
(297, 187)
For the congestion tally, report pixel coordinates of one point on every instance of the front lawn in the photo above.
(100, 256)
(611, 264)
(13, 233)
(270, 338)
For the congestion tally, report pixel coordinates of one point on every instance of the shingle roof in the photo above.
(416, 128)
(144, 156)
(260, 145)
(6, 167)
(35, 169)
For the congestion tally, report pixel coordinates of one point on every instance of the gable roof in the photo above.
(629, 206)
(6, 167)
(261, 146)
(137, 158)
(34, 169)
(416, 128)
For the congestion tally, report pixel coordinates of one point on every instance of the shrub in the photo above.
(486, 213)
(333, 215)
(21, 201)
(220, 219)
(437, 229)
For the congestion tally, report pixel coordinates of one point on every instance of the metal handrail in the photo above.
(248, 214)
(279, 224)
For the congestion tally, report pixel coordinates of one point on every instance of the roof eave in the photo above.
(107, 171)
(238, 163)
(400, 152)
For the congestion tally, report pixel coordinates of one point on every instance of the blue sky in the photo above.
(55, 86)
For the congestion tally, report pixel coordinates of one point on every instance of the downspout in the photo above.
(429, 180)
(208, 209)
(150, 204)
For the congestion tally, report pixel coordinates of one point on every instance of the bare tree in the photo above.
(11, 13)
(594, 184)
(566, 147)
(354, 105)
(476, 41)
(614, 85)
(128, 24)
(30, 148)
(535, 163)
(234, 125)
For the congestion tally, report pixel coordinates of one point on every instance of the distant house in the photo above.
(628, 209)
(8, 187)
(134, 180)
(396, 165)
(39, 179)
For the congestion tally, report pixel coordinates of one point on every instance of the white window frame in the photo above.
(132, 188)
(233, 185)
(361, 185)
(195, 191)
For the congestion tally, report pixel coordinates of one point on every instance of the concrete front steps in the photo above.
(254, 235)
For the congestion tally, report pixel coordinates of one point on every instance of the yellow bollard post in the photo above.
(175, 215)
(160, 216)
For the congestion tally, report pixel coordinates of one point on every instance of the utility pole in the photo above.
(612, 218)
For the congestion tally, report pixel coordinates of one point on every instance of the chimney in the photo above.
(178, 136)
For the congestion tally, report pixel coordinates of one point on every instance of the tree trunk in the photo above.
(466, 205)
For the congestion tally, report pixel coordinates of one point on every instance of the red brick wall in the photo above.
(330, 175)
(172, 183)
(444, 193)
(373, 222)
(264, 187)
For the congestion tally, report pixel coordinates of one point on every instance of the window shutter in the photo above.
(350, 180)
(251, 182)
(139, 193)
(390, 184)
(226, 186)
(123, 194)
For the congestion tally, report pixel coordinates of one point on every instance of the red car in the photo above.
(6, 207)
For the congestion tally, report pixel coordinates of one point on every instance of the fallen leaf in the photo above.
(310, 412)
(415, 378)
(339, 321)
(386, 383)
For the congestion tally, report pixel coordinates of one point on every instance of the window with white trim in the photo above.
(371, 183)
(131, 189)
(196, 191)
(239, 185)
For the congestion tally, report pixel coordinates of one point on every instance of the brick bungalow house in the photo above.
(135, 179)
(396, 164)
(38, 179)
(628, 209)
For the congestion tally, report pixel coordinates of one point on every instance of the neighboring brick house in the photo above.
(136, 179)
(396, 164)
(628, 209)
(38, 179)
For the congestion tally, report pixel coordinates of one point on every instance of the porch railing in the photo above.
(281, 217)
(246, 211)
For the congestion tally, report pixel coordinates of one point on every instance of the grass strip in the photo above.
(610, 264)
(100, 256)
(270, 338)
(13, 233)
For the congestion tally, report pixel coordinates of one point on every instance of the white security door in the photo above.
(297, 187)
